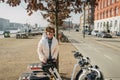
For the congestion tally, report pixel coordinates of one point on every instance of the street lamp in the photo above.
(84, 18)
(69, 25)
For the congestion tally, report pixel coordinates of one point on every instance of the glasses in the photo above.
(50, 32)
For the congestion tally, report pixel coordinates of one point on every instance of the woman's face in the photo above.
(50, 34)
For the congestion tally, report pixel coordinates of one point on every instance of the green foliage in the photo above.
(62, 7)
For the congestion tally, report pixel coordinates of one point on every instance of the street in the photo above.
(103, 52)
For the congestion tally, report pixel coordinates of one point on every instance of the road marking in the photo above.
(110, 46)
(108, 57)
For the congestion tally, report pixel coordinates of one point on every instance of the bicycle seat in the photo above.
(84, 61)
(35, 66)
(78, 55)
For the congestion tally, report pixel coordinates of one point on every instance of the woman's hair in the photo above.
(48, 29)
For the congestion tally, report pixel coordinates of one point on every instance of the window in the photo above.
(103, 14)
(112, 12)
(111, 24)
(106, 14)
(115, 23)
(105, 3)
(117, 0)
(99, 16)
(99, 5)
(102, 4)
(116, 10)
(113, 1)
(108, 2)
(97, 25)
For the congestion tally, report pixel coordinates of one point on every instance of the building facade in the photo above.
(87, 17)
(4, 23)
(107, 16)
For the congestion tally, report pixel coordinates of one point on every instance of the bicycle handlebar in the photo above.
(48, 64)
(77, 54)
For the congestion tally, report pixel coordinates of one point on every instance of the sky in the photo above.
(19, 15)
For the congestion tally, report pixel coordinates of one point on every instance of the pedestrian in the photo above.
(48, 46)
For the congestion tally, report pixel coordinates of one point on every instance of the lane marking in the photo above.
(108, 45)
(108, 57)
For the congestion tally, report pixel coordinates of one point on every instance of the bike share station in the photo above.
(48, 71)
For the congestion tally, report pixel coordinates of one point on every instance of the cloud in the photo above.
(19, 15)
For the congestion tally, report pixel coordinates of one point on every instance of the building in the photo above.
(15, 26)
(4, 23)
(107, 16)
(67, 25)
(87, 18)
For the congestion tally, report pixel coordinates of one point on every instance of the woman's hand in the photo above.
(44, 60)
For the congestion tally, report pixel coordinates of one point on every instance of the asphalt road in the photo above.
(103, 52)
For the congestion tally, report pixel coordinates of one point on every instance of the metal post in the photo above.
(56, 24)
(56, 17)
(88, 18)
(69, 25)
(84, 20)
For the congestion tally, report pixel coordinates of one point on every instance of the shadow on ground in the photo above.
(73, 41)
(63, 76)
(109, 40)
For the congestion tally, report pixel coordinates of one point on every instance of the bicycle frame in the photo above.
(56, 75)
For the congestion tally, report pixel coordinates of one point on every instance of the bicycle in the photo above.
(48, 71)
(87, 71)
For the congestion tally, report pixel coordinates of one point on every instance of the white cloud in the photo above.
(18, 14)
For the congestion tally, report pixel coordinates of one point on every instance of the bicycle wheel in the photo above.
(80, 75)
(101, 76)
(88, 76)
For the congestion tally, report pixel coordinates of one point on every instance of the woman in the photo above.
(48, 46)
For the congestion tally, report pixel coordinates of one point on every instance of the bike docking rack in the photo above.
(87, 71)
(35, 73)
(40, 71)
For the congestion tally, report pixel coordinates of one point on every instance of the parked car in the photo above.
(104, 35)
(77, 29)
(118, 34)
(88, 32)
(6, 34)
(21, 35)
(94, 32)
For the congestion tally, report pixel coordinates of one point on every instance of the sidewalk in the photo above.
(103, 52)
(109, 42)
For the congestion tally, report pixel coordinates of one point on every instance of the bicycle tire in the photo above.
(78, 76)
(81, 76)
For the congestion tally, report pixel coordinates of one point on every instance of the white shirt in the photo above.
(43, 49)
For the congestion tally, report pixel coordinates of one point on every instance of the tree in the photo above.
(63, 7)
(56, 10)
(93, 4)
